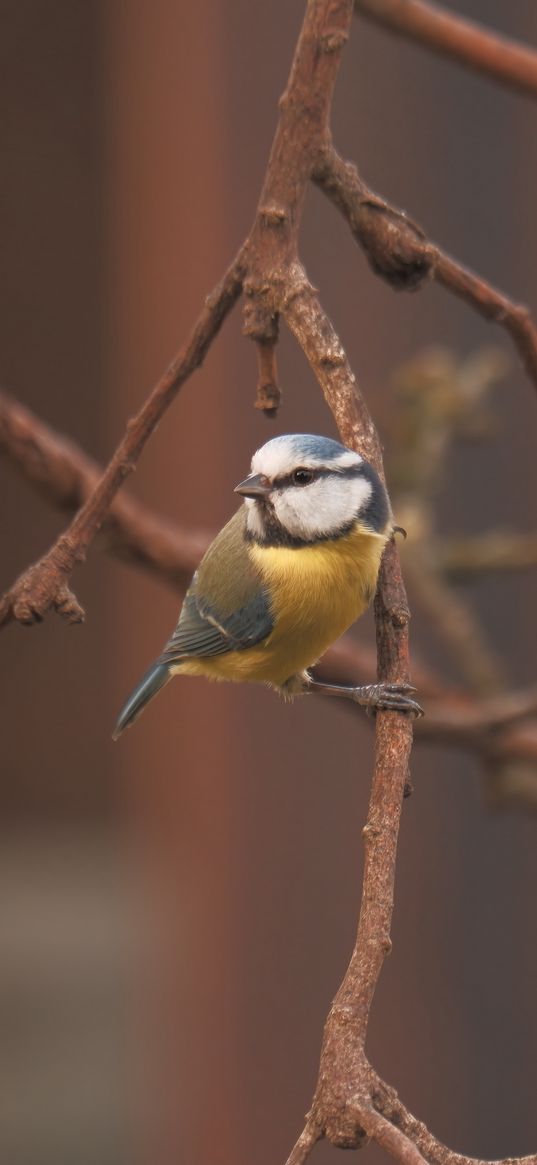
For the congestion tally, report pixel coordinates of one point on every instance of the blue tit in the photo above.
(295, 566)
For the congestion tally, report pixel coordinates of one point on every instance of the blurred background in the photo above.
(177, 909)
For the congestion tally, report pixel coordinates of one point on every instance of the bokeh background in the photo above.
(178, 908)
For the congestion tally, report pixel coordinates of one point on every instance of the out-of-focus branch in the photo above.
(64, 475)
(440, 400)
(497, 551)
(399, 251)
(500, 731)
(436, 401)
(451, 713)
(460, 39)
(453, 621)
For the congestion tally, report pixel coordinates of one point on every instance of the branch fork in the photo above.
(267, 269)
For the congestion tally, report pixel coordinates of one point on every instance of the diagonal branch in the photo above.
(388, 1103)
(44, 585)
(307, 1140)
(460, 39)
(64, 475)
(398, 251)
(386, 1134)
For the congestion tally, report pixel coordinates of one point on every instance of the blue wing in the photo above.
(204, 631)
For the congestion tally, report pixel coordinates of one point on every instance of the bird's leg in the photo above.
(373, 697)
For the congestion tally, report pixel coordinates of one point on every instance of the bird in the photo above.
(295, 566)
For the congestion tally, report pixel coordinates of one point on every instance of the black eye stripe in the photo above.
(317, 472)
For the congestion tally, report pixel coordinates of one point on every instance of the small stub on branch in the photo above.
(268, 398)
(333, 40)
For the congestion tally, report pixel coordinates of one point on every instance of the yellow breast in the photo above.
(316, 593)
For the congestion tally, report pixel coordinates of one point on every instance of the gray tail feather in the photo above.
(152, 682)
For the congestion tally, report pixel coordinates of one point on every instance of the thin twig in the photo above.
(490, 303)
(44, 585)
(456, 37)
(269, 395)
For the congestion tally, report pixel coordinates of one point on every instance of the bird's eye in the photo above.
(303, 476)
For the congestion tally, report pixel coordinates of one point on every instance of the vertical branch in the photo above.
(343, 1074)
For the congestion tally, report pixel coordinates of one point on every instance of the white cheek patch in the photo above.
(323, 507)
(254, 521)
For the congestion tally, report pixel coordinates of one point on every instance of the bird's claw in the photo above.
(388, 698)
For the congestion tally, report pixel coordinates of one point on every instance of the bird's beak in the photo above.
(254, 486)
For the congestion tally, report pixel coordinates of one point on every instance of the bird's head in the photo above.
(304, 489)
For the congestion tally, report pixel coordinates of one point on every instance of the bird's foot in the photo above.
(372, 697)
(386, 698)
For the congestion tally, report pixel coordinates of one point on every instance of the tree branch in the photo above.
(346, 1108)
(64, 475)
(391, 1138)
(268, 267)
(494, 551)
(454, 623)
(462, 40)
(398, 251)
(276, 284)
(388, 1103)
(44, 585)
(305, 1143)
